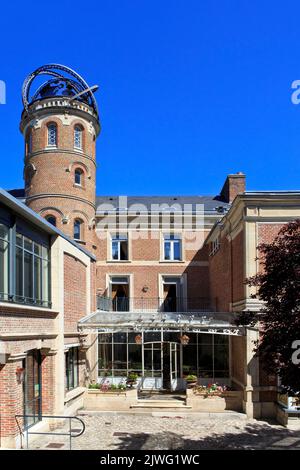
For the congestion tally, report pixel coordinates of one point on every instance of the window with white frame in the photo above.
(78, 137)
(119, 247)
(172, 247)
(52, 134)
(215, 246)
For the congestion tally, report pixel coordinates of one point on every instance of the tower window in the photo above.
(52, 134)
(77, 229)
(78, 176)
(51, 219)
(78, 137)
(28, 142)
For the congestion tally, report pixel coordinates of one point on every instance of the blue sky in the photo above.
(189, 90)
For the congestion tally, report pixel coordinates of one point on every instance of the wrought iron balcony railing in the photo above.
(155, 304)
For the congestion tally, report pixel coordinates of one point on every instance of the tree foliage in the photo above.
(278, 286)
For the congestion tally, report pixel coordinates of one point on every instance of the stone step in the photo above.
(160, 404)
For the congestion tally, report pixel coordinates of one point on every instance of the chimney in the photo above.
(235, 184)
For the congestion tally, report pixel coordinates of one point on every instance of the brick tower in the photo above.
(60, 124)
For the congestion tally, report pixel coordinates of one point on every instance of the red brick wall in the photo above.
(74, 292)
(220, 276)
(11, 399)
(238, 276)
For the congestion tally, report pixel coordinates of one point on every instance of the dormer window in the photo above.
(78, 137)
(52, 134)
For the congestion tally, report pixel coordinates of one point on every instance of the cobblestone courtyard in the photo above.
(192, 432)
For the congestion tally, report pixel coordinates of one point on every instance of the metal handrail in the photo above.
(157, 304)
(69, 433)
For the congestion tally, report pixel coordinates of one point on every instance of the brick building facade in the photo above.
(156, 268)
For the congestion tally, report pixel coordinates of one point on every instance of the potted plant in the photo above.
(191, 380)
(131, 379)
(211, 390)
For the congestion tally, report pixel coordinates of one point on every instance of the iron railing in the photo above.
(155, 304)
(70, 432)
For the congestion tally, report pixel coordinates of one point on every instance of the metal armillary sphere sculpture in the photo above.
(65, 82)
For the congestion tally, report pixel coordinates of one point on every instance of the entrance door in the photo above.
(170, 365)
(32, 387)
(171, 294)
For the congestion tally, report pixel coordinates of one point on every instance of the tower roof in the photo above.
(62, 82)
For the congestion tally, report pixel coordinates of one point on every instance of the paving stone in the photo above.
(190, 432)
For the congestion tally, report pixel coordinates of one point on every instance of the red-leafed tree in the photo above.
(278, 286)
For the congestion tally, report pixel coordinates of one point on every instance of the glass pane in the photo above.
(120, 356)
(77, 230)
(124, 250)
(221, 357)
(105, 338)
(156, 359)
(205, 360)
(189, 363)
(105, 356)
(28, 275)
(151, 336)
(38, 249)
(45, 252)
(205, 338)
(28, 244)
(148, 359)
(115, 250)
(4, 267)
(120, 337)
(19, 240)
(37, 278)
(177, 250)
(167, 250)
(131, 337)
(45, 281)
(76, 377)
(135, 356)
(4, 232)
(19, 272)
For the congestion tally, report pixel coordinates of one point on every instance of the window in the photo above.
(78, 137)
(78, 176)
(28, 142)
(4, 261)
(51, 219)
(119, 247)
(52, 134)
(215, 246)
(77, 229)
(32, 275)
(172, 247)
(72, 368)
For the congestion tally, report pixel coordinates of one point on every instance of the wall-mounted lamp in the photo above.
(145, 289)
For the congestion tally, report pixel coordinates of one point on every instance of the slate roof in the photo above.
(211, 203)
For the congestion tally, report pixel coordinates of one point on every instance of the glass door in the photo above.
(32, 387)
(173, 365)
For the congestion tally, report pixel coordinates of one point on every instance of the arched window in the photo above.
(77, 229)
(78, 131)
(51, 219)
(28, 142)
(52, 134)
(78, 176)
